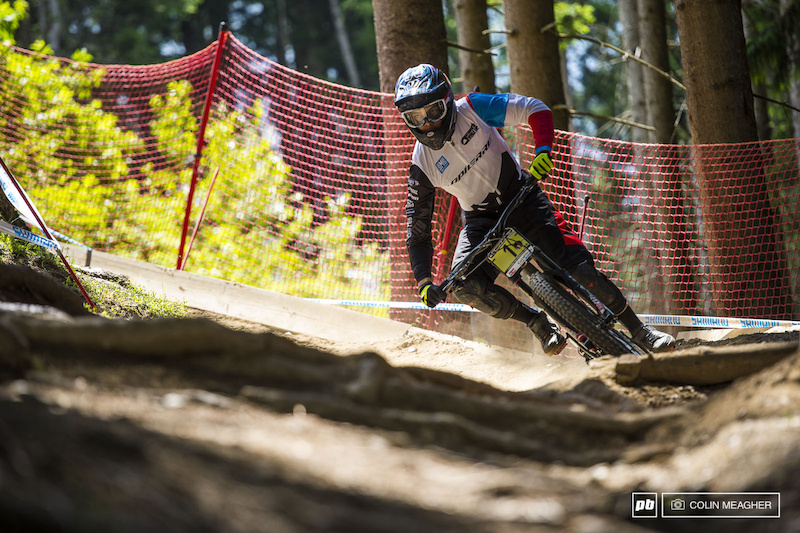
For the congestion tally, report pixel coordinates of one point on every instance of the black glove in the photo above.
(431, 295)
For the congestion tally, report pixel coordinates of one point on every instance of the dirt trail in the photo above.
(216, 424)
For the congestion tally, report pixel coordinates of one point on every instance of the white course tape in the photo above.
(69, 239)
(26, 235)
(35, 238)
(653, 320)
(715, 322)
(394, 305)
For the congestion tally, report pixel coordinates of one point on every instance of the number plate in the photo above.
(511, 253)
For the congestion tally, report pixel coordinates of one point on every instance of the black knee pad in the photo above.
(486, 297)
(599, 285)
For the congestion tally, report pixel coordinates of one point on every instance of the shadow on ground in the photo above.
(189, 425)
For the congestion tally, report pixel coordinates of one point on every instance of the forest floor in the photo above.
(208, 423)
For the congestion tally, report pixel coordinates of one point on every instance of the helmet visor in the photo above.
(432, 112)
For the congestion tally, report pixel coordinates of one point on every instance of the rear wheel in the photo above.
(564, 306)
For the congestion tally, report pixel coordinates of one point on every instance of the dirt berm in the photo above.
(299, 418)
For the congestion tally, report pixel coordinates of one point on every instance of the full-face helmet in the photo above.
(423, 94)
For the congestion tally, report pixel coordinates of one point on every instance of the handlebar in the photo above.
(462, 269)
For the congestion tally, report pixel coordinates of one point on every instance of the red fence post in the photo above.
(43, 227)
(448, 231)
(201, 134)
(200, 218)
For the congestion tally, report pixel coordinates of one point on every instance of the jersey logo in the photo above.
(473, 129)
(442, 164)
(473, 162)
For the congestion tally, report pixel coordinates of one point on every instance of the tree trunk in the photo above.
(637, 104)
(658, 89)
(476, 67)
(208, 15)
(533, 58)
(283, 33)
(54, 29)
(50, 20)
(667, 224)
(793, 53)
(637, 101)
(719, 94)
(759, 104)
(344, 44)
(670, 232)
(406, 34)
(535, 66)
(745, 248)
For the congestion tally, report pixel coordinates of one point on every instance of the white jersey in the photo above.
(476, 165)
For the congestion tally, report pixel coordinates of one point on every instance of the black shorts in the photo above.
(538, 221)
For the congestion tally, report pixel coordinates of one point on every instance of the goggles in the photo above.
(432, 112)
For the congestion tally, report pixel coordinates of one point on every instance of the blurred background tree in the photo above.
(335, 40)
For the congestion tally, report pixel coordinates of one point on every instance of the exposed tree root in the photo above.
(362, 389)
(702, 365)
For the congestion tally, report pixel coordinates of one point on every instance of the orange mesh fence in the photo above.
(299, 187)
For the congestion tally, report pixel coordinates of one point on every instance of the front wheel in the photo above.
(565, 307)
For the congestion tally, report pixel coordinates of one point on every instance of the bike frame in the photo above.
(493, 236)
(541, 262)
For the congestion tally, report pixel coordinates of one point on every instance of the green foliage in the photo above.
(258, 232)
(69, 141)
(75, 159)
(573, 19)
(114, 298)
(174, 125)
(11, 14)
(598, 86)
(13, 250)
(773, 53)
(255, 231)
(129, 300)
(115, 31)
(152, 31)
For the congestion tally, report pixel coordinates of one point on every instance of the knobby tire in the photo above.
(560, 303)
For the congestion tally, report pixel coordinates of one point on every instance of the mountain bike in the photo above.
(584, 319)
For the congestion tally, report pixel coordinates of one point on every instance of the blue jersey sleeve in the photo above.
(490, 107)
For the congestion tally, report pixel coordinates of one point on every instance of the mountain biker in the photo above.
(459, 150)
